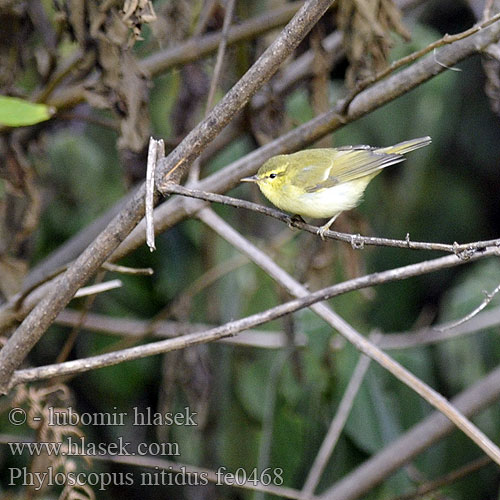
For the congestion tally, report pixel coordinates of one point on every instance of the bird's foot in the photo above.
(322, 230)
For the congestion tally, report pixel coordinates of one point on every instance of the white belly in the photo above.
(326, 202)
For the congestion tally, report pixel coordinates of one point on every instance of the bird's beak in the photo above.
(254, 178)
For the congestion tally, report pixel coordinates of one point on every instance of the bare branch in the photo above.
(445, 40)
(98, 288)
(463, 251)
(336, 426)
(136, 328)
(134, 271)
(35, 324)
(194, 172)
(489, 297)
(450, 478)
(158, 464)
(234, 327)
(433, 335)
(418, 439)
(196, 48)
(220, 53)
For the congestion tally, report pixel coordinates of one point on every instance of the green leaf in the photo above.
(15, 112)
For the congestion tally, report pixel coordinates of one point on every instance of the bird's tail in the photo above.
(406, 146)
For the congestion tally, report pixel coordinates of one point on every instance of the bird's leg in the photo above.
(294, 218)
(323, 229)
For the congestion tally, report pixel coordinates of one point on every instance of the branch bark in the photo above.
(418, 439)
(40, 318)
(174, 210)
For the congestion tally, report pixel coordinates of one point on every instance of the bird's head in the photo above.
(271, 175)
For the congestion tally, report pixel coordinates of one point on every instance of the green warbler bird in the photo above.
(321, 183)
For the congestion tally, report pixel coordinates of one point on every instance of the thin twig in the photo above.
(433, 335)
(191, 50)
(220, 53)
(194, 172)
(419, 438)
(450, 478)
(445, 40)
(336, 426)
(268, 418)
(463, 251)
(66, 68)
(134, 271)
(136, 328)
(220, 477)
(194, 49)
(98, 288)
(71, 338)
(234, 327)
(42, 315)
(489, 297)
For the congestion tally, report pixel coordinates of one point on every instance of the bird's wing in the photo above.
(352, 162)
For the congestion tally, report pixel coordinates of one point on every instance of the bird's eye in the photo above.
(272, 176)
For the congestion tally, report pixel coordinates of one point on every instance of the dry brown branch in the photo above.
(336, 426)
(463, 251)
(234, 327)
(135, 328)
(174, 211)
(401, 451)
(35, 324)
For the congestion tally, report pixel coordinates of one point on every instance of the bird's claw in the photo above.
(321, 232)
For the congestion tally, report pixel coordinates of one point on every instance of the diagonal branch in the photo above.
(336, 426)
(234, 327)
(174, 210)
(231, 328)
(40, 318)
(418, 439)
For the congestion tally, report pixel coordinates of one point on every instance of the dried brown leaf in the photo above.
(367, 26)
(108, 32)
